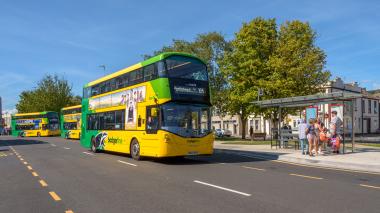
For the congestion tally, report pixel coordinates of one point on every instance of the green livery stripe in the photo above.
(161, 87)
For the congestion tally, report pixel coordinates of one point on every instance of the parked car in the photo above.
(223, 133)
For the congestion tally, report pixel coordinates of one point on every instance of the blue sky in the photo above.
(72, 38)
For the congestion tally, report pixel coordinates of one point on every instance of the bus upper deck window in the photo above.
(161, 71)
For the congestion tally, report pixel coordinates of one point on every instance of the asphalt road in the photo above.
(58, 175)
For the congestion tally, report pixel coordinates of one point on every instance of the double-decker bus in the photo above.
(35, 124)
(158, 108)
(70, 122)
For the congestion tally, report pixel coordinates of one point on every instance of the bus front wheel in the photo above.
(135, 149)
(93, 145)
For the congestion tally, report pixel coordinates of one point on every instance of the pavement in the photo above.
(365, 158)
(58, 175)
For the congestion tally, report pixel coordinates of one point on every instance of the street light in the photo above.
(104, 68)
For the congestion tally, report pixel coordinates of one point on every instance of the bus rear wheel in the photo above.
(135, 149)
(93, 145)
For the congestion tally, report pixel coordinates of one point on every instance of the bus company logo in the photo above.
(68, 133)
(99, 139)
(192, 141)
(114, 141)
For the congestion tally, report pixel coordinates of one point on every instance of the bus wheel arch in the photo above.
(135, 149)
(38, 134)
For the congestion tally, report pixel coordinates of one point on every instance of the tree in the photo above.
(51, 94)
(211, 48)
(283, 61)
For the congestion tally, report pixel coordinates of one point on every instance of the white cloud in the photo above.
(375, 85)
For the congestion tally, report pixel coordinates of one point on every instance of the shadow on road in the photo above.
(219, 156)
(20, 141)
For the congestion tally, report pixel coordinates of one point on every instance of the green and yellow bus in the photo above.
(35, 124)
(70, 120)
(158, 108)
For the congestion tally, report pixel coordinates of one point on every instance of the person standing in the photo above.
(310, 131)
(302, 136)
(317, 126)
(336, 129)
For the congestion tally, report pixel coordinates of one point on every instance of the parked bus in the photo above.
(158, 108)
(70, 122)
(35, 124)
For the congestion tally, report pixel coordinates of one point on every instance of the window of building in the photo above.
(363, 106)
(375, 107)
(256, 124)
(369, 106)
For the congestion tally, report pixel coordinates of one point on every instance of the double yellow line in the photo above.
(41, 181)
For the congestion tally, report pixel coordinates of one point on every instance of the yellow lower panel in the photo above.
(43, 133)
(162, 144)
(74, 134)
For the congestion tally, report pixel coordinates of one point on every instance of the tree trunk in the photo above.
(243, 125)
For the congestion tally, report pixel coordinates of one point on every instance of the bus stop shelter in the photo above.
(346, 99)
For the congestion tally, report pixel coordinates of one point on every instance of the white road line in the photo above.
(219, 187)
(253, 168)
(369, 186)
(53, 144)
(66, 148)
(87, 153)
(131, 164)
(306, 176)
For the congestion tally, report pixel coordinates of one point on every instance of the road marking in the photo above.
(30, 168)
(69, 211)
(43, 183)
(87, 153)
(222, 188)
(53, 144)
(25, 162)
(369, 186)
(253, 168)
(34, 174)
(21, 158)
(131, 164)
(222, 163)
(54, 196)
(305, 176)
(66, 148)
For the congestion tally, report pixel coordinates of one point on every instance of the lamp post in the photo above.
(104, 68)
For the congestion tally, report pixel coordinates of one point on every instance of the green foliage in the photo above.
(211, 48)
(51, 94)
(283, 61)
